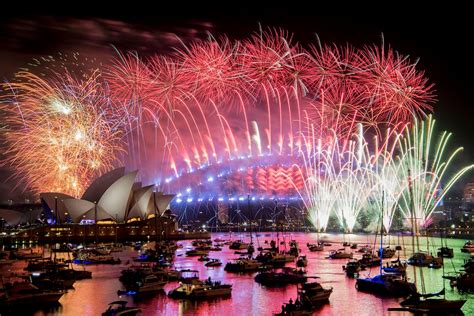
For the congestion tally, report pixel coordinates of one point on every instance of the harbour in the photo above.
(91, 296)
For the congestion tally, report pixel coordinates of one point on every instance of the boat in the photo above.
(220, 240)
(464, 282)
(201, 241)
(435, 264)
(420, 259)
(386, 284)
(369, 260)
(148, 284)
(364, 249)
(274, 258)
(468, 247)
(195, 253)
(51, 279)
(282, 277)
(41, 264)
(433, 305)
(393, 285)
(243, 265)
(446, 252)
(62, 248)
(119, 308)
(197, 289)
(352, 268)
(309, 296)
(354, 246)
(204, 258)
(186, 275)
(396, 267)
(26, 255)
(302, 261)
(213, 263)
(89, 258)
(315, 247)
(313, 293)
(25, 294)
(386, 253)
(294, 251)
(295, 309)
(238, 245)
(340, 254)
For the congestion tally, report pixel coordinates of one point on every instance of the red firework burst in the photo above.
(395, 89)
(210, 68)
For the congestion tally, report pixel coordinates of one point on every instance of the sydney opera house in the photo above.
(114, 207)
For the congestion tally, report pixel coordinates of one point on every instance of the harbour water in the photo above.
(90, 297)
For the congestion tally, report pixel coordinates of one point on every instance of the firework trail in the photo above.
(426, 165)
(59, 132)
(262, 101)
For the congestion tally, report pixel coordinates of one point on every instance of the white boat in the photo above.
(150, 283)
(197, 289)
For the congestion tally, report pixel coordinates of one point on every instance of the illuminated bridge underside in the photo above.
(260, 176)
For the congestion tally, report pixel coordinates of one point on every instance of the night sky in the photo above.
(441, 45)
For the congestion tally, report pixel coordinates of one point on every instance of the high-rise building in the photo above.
(468, 194)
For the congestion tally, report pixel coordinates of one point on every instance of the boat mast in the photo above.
(381, 235)
(250, 216)
(412, 218)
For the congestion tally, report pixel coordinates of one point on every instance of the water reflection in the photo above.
(90, 297)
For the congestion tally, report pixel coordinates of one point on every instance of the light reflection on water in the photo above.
(90, 297)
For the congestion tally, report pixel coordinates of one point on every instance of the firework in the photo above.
(282, 115)
(59, 134)
(425, 165)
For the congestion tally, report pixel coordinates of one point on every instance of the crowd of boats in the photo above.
(46, 279)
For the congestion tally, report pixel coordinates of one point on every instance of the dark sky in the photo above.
(442, 45)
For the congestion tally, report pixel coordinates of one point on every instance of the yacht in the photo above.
(369, 260)
(26, 294)
(274, 258)
(150, 283)
(386, 252)
(243, 265)
(393, 285)
(280, 278)
(213, 263)
(340, 254)
(197, 289)
(238, 245)
(315, 247)
(119, 308)
(26, 255)
(396, 267)
(420, 259)
(196, 253)
(365, 249)
(313, 293)
(468, 247)
(433, 305)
